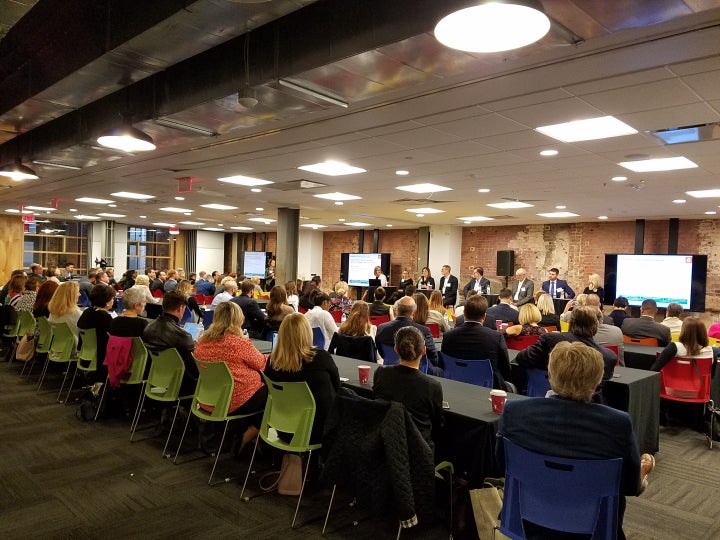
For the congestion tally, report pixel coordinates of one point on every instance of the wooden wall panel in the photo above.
(11, 246)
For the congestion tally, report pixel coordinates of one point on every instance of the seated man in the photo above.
(568, 425)
(403, 317)
(672, 318)
(378, 307)
(473, 341)
(645, 326)
(165, 333)
(619, 312)
(404, 382)
(557, 288)
(230, 288)
(254, 317)
(478, 283)
(504, 311)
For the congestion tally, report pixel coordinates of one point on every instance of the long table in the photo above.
(640, 356)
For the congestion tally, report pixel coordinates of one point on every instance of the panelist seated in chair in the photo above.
(568, 425)
(421, 394)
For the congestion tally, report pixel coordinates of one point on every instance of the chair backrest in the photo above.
(647, 341)
(207, 318)
(63, 343)
(302, 309)
(377, 320)
(538, 383)
(434, 329)
(675, 336)
(564, 326)
(187, 315)
(166, 374)
(478, 372)
(157, 293)
(390, 357)
(686, 379)
(359, 347)
(318, 338)
(616, 350)
(518, 343)
(45, 335)
(26, 323)
(83, 300)
(136, 371)
(214, 390)
(337, 315)
(153, 310)
(88, 344)
(570, 495)
(551, 328)
(290, 408)
(11, 321)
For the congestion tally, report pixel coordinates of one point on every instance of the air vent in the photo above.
(421, 201)
(688, 134)
(294, 185)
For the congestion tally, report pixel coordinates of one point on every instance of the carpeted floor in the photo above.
(62, 478)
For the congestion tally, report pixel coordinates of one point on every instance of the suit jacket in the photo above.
(645, 327)
(559, 284)
(473, 341)
(527, 289)
(449, 295)
(386, 334)
(484, 286)
(503, 312)
(254, 317)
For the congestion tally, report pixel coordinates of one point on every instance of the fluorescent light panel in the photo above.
(476, 218)
(558, 214)
(357, 224)
(332, 168)
(704, 193)
(164, 224)
(174, 209)
(313, 226)
(241, 228)
(587, 130)
(192, 223)
(266, 221)
(511, 204)
(131, 195)
(93, 200)
(241, 180)
(215, 206)
(423, 188)
(42, 208)
(105, 214)
(314, 93)
(337, 196)
(425, 210)
(659, 164)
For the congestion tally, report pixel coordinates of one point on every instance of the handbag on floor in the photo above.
(289, 477)
(486, 505)
(26, 348)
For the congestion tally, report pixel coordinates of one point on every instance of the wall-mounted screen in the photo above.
(664, 278)
(254, 264)
(358, 268)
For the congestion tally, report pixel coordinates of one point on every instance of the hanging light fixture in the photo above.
(247, 97)
(493, 26)
(127, 138)
(17, 171)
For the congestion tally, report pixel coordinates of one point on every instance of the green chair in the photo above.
(214, 390)
(290, 408)
(163, 384)
(135, 373)
(25, 327)
(63, 349)
(87, 357)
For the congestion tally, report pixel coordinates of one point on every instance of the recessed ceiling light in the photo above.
(187, 213)
(470, 219)
(704, 193)
(339, 203)
(424, 188)
(337, 196)
(389, 225)
(357, 224)
(73, 209)
(602, 217)
(94, 201)
(419, 215)
(131, 195)
(41, 208)
(112, 205)
(711, 212)
(191, 222)
(332, 168)
(106, 214)
(557, 214)
(549, 153)
(241, 228)
(245, 180)
(619, 178)
(176, 210)
(161, 224)
(425, 210)
(587, 130)
(216, 229)
(483, 190)
(679, 201)
(143, 217)
(256, 190)
(215, 206)
(511, 204)
(266, 221)
(467, 222)
(659, 164)
(341, 219)
(259, 209)
(561, 207)
(402, 173)
(80, 216)
(313, 226)
(179, 198)
(13, 211)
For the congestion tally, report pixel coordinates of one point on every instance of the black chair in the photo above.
(360, 347)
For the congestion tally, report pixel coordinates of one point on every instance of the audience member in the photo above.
(528, 319)
(185, 288)
(594, 301)
(130, 323)
(97, 316)
(142, 284)
(448, 286)
(306, 301)
(619, 312)
(546, 306)
(63, 306)
(522, 288)
(44, 295)
(580, 300)
(478, 283)
(26, 299)
(459, 310)
(358, 322)
(568, 425)
(128, 279)
(230, 287)
(426, 280)
(504, 311)
(206, 287)
(86, 283)
(171, 282)
(645, 326)
(378, 307)
(292, 296)
(254, 317)
(593, 287)
(607, 333)
(421, 395)
(693, 343)
(277, 307)
(557, 288)
(15, 287)
(339, 299)
(319, 317)
(36, 271)
(425, 314)
(672, 317)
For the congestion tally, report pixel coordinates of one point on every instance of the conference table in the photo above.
(640, 356)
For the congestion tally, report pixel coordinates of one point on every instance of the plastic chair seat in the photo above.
(377, 320)
(337, 315)
(318, 338)
(648, 341)
(434, 329)
(478, 372)
(538, 383)
(518, 343)
(62, 350)
(87, 356)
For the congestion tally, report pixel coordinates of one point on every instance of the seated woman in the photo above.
(277, 307)
(358, 322)
(405, 281)
(404, 382)
(63, 306)
(292, 296)
(426, 280)
(424, 315)
(224, 342)
(44, 295)
(130, 323)
(594, 287)
(26, 299)
(185, 287)
(580, 300)
(339, 299)
(14, 288)
(306, 298)
(693, 343)
(529, 318)
(294, 359)
(436, 306)
(547, 310)
(142, 283)
(97, 316)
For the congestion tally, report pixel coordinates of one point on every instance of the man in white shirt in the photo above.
(228, 293)
(319, 317)
(379, 275)
(448, 286)
(522, 288)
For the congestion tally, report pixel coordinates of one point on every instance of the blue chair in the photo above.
(83, 300)
(390, 357)
(570, 495)
(187, 315)
(538, 383)
(478, 372)
(207, 318)
(318, 338)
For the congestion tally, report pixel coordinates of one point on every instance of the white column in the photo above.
(445, 246)
(310, 253)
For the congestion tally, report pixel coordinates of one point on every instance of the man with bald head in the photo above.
(522, 288)
(403, 317)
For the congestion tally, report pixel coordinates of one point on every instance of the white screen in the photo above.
(254, 264)
(664, 278)
(361, 267)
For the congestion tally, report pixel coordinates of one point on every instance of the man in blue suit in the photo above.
(557, 288)
(504, 311)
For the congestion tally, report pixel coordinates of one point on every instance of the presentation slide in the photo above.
(664, 278)
(361, 267)
(254, 264)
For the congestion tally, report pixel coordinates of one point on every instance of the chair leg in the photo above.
(136, 420)
(217, 454)
(302, 488)
(62, 385)
(31, 363)
(327, 516)
(182, 438)
(172, 425)
(713, 411)
(399, 531)
(43, 372)
(102, 397)
(72, 382)
(247, 476)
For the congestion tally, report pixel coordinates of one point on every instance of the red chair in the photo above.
(688, 380)
(302, 309)
(616, 350)
(157, 293)
(377, 320)
(337, 315)
(518, 343)
(647, 341)
(434, 329)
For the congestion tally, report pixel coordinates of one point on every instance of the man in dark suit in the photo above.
(448, 286)
(619, 312)
(568, 425)
(254, 317)
(478, 283)
(504, 311)
(386, 333)
(645, 326)
(557, 288)
(522, 288)
(378, 307)
(473, 341)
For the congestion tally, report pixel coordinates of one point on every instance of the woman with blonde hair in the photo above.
(185, 288)
(580, 300)
(547, 310)
(294, 359)
(292, 295)
(142, 283)
(339, 299)
(224, 342)
(529, 317)
(358, 322)
(593, 287)
(63, 306)
(436, 306)
(424, 315)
